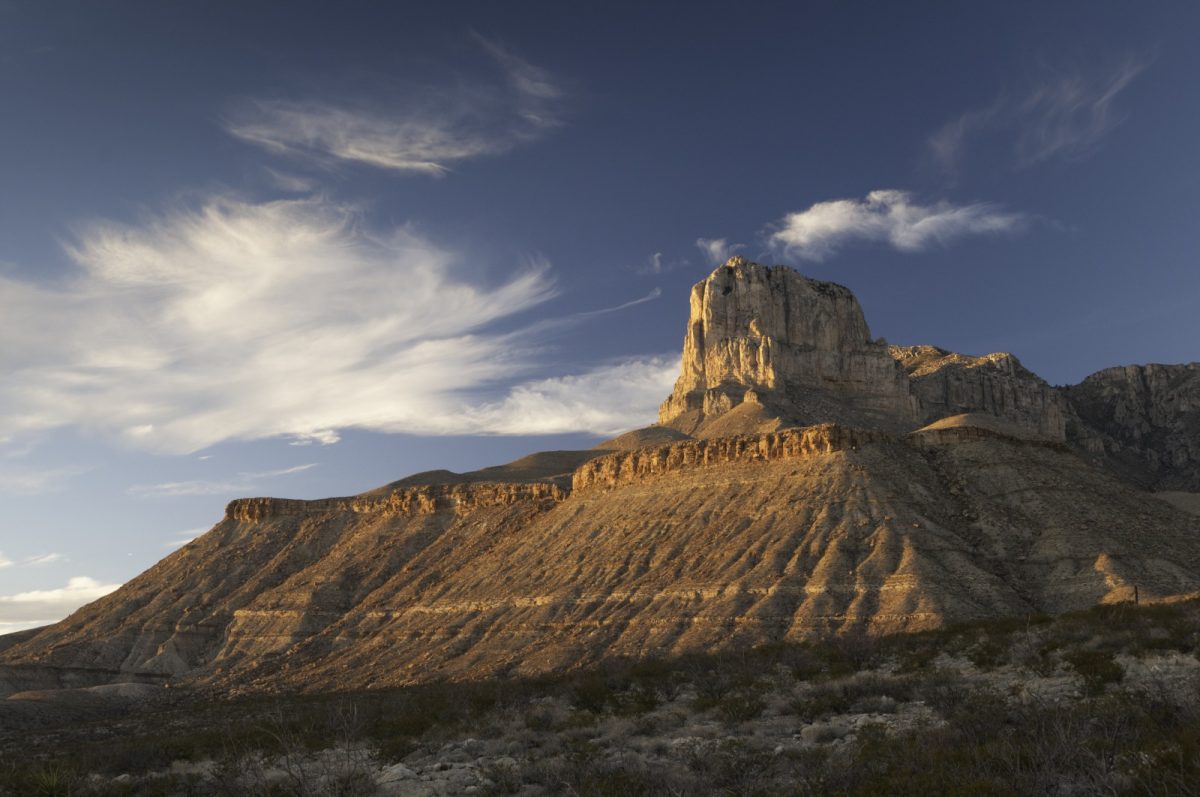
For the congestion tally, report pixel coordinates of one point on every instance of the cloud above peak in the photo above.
(886, 216)
(422, 132)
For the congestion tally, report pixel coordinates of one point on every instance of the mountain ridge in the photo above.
(787, 494)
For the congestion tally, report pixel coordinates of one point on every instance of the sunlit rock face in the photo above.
(799, 348)
(1142, 421)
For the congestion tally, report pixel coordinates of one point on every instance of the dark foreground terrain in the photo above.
(1105, 701)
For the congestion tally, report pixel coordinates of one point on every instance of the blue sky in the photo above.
(304, 249)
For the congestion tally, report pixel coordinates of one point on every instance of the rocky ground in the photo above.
(1101, 702)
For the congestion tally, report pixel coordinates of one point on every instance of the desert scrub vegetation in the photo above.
(1105, 701)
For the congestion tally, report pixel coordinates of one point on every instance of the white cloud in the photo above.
(717, 250)
(40, 607)
(184, 537)
(240, 484)
(609, 399)
(413, 134)
(237, 320)
(1065, 114)
(657, 263)
(888, 217)
(33, 481)
(32, 561)
(44, 559)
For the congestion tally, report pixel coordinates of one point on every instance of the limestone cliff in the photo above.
(946, 384)
(799, 349)
(1142, 421)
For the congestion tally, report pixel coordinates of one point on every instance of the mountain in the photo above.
(804, 480)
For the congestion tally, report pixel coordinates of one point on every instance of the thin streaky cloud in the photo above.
(240, 484)
(5, 561)
(412, 134)
(890, 217)
(1063, 115)
(44, 559)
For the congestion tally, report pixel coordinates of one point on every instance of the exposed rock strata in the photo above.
(799, 347)
(636, 466)
(1143, 421)
(694, 546)
(423, 500)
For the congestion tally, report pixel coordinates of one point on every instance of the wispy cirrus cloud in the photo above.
(44, 559)
(422, 132)
(1064, 114)
(20, 480)
(32, 561)
(234, 320)
(890, 217)
(236, 485)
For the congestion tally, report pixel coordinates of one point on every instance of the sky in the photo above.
(304, 249)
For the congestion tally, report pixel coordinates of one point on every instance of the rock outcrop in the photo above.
(799, 349)
(947, 384)
(1143, 422)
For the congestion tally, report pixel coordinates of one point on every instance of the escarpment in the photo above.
(805, 479)
(641, 464)
(425, 500)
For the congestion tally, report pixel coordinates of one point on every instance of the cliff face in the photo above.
(1143, 421)
(798, 347)
(947, 384)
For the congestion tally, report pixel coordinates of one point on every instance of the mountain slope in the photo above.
(694, 546)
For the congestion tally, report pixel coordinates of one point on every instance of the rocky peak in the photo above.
(797, 350)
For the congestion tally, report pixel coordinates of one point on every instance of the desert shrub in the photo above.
(1097, 668)
(539, 718)
(741, 705)
(591, 693)
(866, 693)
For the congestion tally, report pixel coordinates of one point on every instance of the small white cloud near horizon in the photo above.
(182, 538)
(239, 484)
(44, 559)
(717, 250)
(41, 607)
(890, 217)
(1065, 114)
(423, 134)
(5, 561)
(607, 400)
